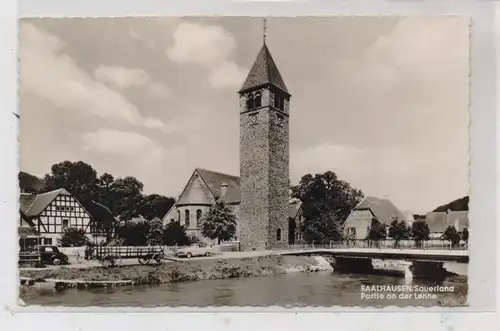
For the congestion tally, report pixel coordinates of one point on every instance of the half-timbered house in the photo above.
(50, 213)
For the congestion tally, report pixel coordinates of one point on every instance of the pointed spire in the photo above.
(264, 72)
(264, 32)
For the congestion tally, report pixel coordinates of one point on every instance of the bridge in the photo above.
(415, 262)
(431, 255)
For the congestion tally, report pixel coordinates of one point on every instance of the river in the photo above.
(295, 289)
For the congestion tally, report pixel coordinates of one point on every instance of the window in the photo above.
(351, 232)
(65, 223)
(172, 220)
(64, 208)
(187, 218)
(278, 235)
(250, 102)
(47, 241)
(257, 100)
(278, 101)
(179, 216)
(198, 216)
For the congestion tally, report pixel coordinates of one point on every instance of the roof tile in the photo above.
(264, 71)
(383, 209)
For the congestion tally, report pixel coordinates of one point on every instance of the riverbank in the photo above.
(187, 270)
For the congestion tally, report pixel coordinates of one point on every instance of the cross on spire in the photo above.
(264, 32)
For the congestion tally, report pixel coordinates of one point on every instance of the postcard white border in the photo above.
(483, 247)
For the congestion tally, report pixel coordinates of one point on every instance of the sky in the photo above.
(383, 102)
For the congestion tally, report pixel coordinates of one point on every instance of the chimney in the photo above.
(223, 189)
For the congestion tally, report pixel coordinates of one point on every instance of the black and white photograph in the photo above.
(244, 161)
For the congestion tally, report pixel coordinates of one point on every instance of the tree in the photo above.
(175, 234)
(29, 183)
(465, 235)
(451, 234)
(155, 205)
(155, 232)
(78, 178)
(326, 204)
(73, 237)
(126, 194)
(133, 232)
(103, 191)
(219, 222)
(378, 231)
(420, 231)
(399, 231)
(324, 228)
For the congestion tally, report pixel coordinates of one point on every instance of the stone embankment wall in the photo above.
(176, 271)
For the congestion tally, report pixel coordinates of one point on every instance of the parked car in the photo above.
(51, 255)
(195, 250)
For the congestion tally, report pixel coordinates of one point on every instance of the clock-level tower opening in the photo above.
(264, 156)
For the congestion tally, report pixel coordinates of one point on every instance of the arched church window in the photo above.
(278, 235)
(198, 216)
(258, 100)
(250, 102)
(187, 219)
(179, 216)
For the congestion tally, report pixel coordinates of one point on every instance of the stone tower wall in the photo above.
(278, 178)
(254, 172)
(264, 171)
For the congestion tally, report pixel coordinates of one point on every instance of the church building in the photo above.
(260, 197)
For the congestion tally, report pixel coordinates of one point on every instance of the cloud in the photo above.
(157, 167)
(47, 72)
(119, 142)
(159, 90)
(121, 77)
(203, 44)
(209, 46)
(227, 74)
(412, 79)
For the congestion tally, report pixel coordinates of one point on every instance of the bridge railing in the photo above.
(435, 244)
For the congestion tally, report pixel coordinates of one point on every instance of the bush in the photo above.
(73, 237)
(452, 235)
(378, 231)
(175, 234)
(420, 231)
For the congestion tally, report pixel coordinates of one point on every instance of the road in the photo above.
(83, 264)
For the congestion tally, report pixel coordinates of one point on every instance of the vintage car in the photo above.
(195, 250)
(51, 255)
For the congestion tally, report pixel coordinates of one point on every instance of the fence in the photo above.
(76, 254)
(29, 257)
(383, 244)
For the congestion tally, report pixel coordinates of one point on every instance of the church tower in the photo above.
(264, 156)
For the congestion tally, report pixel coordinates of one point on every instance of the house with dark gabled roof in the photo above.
(358, 223)
(438, 222)
(51, 212)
